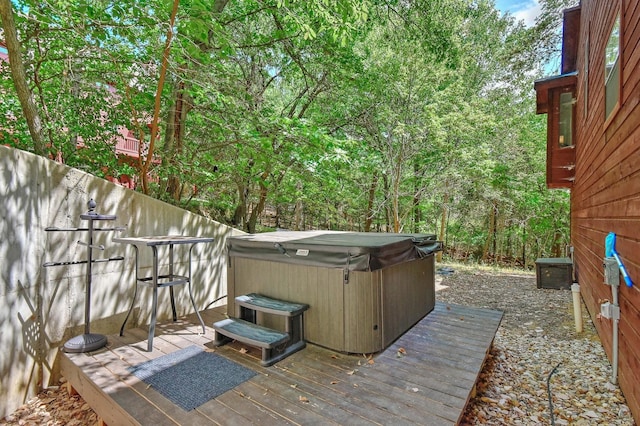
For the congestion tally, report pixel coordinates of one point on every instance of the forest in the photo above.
(413, 116)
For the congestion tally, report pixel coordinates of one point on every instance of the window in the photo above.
(565, 120)
(612, 69)
(556, 97)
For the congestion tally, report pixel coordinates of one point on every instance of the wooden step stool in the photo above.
(275, 344)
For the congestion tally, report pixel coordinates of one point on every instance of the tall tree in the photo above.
(19, 77)
(145, 164)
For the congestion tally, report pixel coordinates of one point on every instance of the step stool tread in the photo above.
(250, 333)
(266, 304)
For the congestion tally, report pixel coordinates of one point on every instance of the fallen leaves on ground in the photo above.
(54, 407)
(537, 333)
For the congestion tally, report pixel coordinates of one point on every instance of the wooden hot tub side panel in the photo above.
(325, 324)
(320, 288)
(408, 294)
(363, 313)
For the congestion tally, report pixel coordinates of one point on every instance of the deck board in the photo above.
(426, 376)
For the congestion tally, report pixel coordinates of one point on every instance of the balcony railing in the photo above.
(128, 146)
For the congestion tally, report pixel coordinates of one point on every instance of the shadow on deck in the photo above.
(426, 377)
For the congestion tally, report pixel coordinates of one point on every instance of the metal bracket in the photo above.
(610, 311)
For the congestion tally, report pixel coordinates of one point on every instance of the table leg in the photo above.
(135, 294)
(193, 302)
(173, 304)
(133, 301)
(171, 296)
(154, 307)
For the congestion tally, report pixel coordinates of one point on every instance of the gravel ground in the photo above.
(537, 334)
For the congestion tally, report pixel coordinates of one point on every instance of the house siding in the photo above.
(606, 193)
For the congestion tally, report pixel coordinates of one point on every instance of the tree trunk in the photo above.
(396, 204)
(298, 210)
(509, 243)
(387, 208)
(258, 208)
(498, 233)
(524, 244)
(372, 194)
(278, 215)
(146, 164)
(240, 212)
(174, 139)
(19, 78)
(491, 233)
(262, 200)
(557, 244)
(443, 220)
(417, 214)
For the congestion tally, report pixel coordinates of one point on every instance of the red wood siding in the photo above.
(606, 193)
(570, 40)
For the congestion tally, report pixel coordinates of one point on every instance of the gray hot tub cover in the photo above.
(354, 251)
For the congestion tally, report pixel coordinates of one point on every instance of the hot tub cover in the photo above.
(354, 251)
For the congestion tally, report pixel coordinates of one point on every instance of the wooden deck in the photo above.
(426, 377)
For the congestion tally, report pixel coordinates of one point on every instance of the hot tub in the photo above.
(363, 289)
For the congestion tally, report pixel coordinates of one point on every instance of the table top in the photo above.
(162, 240)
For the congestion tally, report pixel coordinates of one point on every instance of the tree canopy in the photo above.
(396, 116)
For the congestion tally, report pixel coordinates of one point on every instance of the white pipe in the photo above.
(612, 278)
(577, 306)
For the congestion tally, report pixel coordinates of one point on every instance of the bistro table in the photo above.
(156, 280)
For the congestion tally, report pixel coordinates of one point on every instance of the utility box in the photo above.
(554, 272)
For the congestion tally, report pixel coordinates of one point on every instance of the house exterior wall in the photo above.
(42, 307)
(605, 196)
